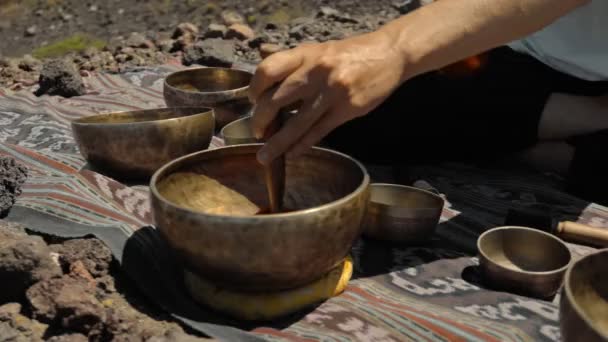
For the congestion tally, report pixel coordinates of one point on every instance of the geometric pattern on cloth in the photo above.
(397, 293)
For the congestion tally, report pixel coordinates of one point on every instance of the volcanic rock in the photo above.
(60, 77)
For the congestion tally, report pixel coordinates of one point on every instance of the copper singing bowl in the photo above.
(224, 89)
(523, 260)
(325, 200)
(135, 144)
(584, 300)
(399, 213)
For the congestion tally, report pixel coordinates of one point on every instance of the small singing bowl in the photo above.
(523, 260)
(238, 132)
(584, 299)
(399, 213)
(211, 213)
(223, 89)
(133, 145)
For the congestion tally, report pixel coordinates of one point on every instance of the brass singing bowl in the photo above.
(238, 132)
(399, 213)
(326, 196)
(523, 260)
(584, 300)
(223, 89)
(133, 145)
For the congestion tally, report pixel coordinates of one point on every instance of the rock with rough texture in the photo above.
(335, 15)
(232, 17)
(138, 40)
(69, 338)
(12, 177)
(166, 45)
(31, 31)
(240, 32)
(211, 52)
(16, 327)
(29, 63)
(185, 28)
(215, 31)
(68, 301)
(60, 77)
(185, 35)
(95, 256)
(24, 260)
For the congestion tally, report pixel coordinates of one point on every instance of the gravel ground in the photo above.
(118, 35)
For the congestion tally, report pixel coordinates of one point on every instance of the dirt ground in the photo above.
(29, 24)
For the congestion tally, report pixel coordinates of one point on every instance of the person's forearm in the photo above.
(447, 31)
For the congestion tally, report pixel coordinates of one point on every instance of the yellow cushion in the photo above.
(269, 306)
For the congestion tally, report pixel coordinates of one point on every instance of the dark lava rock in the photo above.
(405, 6)
(211, 52)
(93, 253)
(12, 177)
(24, 260)
(60, 77)
(68, 302)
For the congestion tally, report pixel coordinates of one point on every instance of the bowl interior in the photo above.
(524, 250)
(588, 285)
(229, 181)
(141, 116)
(209, 79)
(403, 197)
(238, 129)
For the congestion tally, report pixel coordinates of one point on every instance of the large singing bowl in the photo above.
(326, 197)
(583, 307)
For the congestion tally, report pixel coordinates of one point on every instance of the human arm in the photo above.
(338, 81)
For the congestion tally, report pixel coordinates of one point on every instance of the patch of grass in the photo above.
(251, 19)
(75, 43)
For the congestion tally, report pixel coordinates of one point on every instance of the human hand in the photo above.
(334, 82)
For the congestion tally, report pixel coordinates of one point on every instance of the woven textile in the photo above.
(431, 292)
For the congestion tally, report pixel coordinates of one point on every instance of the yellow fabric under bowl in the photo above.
(269, 306)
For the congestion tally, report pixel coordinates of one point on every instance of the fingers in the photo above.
(292, 90)
(294, 129)
(274, 69)
(320, 130)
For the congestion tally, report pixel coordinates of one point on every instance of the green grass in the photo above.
(75, 43)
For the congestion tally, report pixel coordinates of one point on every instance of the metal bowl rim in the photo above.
(298, 213)
(168, 85)
(552, 272)
(249, 116)
(79, 122)
(570, 297)
(441, 201)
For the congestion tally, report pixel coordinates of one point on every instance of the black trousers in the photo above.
(481, 116)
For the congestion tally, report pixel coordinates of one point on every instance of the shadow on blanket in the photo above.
(148, 260)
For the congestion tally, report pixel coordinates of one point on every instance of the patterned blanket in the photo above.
(430, 292)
